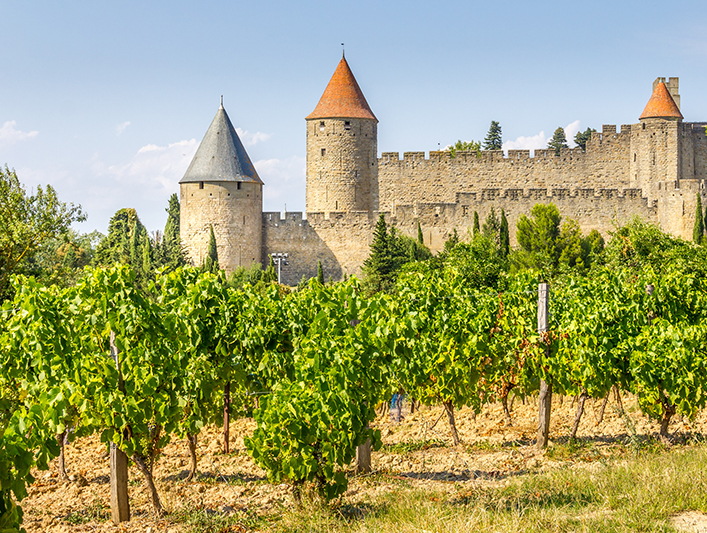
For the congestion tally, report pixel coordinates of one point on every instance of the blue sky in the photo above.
(107, 101)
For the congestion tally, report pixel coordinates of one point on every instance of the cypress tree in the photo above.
(172, 254)
(477, 228)
(211, 261)
(320, 273)
(698, 230)
(420, 237)
(146, 259)
(505, 244)
(133, 249)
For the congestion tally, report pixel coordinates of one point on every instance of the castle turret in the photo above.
(221, 189)
(662, 105)
(342, 148)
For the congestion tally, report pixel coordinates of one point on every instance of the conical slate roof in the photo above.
(343, 97)
(661, 104)
(221, 156)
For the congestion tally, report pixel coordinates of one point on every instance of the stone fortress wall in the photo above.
(653, 169)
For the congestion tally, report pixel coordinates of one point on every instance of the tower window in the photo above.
(347, 125)
(239, 186)
(321, 126)
(323, 152)
(244, 220)
(201, 184)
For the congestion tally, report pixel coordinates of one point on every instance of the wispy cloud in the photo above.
(251, 139)
(161, 166)
(10, 134)
(120, 128)
(284, 183)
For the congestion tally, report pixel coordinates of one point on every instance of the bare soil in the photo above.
(490, 452)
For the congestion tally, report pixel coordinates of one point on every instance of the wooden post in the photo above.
(545, 399)
(119, 503)
(226, 421)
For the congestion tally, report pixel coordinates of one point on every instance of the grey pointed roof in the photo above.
(221, 156)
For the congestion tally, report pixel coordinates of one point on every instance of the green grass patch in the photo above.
(96, 512)
(637, 493)
(200, 520)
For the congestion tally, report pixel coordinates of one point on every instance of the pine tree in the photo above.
(582, 137)
(505, 241)
(558, 141)
(493, 139)
(699, 229)
(420, 237)
(477, 228)
(320, 273)
(211, 261)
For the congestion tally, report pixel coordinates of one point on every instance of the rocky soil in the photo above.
(232, 484)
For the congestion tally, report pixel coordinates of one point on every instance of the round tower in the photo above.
(342, 148)
(221, 189)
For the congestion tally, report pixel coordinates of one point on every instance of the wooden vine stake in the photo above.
(119, 504)
(545, 403)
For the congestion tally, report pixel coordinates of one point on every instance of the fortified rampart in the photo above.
(439, 178)
(341, 241)
(653, 169)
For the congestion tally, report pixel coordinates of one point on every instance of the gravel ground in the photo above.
(491, 452)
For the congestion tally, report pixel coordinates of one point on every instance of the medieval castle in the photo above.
(653, 169)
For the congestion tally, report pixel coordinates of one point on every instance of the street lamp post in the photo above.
(279, 259)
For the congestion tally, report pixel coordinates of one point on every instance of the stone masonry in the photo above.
(653, 169)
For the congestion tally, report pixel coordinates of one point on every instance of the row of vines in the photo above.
(141, 367)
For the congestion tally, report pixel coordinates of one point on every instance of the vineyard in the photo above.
(140, 367)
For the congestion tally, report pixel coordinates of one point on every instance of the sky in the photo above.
(107, 101)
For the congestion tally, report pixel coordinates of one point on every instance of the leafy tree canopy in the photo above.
(464, 146)
(28, 221)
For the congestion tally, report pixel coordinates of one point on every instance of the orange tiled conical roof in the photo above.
(342, 98)
(661, 104)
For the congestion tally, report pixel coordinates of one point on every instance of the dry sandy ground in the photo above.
(483, 458)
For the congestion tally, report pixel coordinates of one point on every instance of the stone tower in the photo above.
(655, 143)
(221, 189)
(342, 148)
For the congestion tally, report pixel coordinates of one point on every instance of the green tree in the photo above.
(505, 240)
(172, 253)
(698, 231)
(320, 273)
(537, 236)
(420, 236)
(28, 221)
(558, 141)
(146, 257)
(477, 227)
(582, 137)
(494, 139)
(122, 243)
(492, 226)
(211, 260)
(464, 146)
